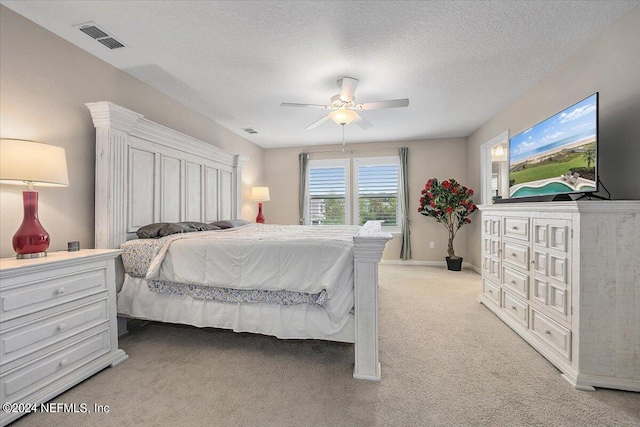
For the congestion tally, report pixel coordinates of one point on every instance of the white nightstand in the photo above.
(57, 324)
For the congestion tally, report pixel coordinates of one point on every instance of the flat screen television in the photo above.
(558, 155)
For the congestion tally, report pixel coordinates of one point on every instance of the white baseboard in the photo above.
(474, 268)
(414, 262)
(427, 263)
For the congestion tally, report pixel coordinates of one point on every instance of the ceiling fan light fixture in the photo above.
(343, 116)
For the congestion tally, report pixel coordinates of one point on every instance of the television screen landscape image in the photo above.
(558, 155)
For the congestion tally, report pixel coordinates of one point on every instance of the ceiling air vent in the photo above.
(249, 130)
(93, 31)
(100, 34)
(111, 43)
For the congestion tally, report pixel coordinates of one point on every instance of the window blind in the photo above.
(378, 194)
(327, 195)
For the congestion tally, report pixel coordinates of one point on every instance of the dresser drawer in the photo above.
(517, 255)
(539, 291)
(517, 228)
(491, 266)
(558, 267)
(39, 294)
(491, 291)
(19, 383)
(36, 338)
(491, 226)
(552, 234)
(491, 246)
(558, 337)
(516, 282)
(515, 307)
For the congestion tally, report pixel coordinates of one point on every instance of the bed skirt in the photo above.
(300, 321)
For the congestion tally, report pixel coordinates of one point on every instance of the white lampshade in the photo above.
(31, 162)
(498, 154)
(343, 116)
(260, 194)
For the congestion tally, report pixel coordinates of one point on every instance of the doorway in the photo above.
(494, 168)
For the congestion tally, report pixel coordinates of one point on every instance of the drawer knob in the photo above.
(547, 332)
(513, 307)
(490, 291)
(513, 254)
(513, 282)
(64, 362)
(62, 326)
(514, 228)
(61, 291)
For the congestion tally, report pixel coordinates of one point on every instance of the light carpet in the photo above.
(446, 361)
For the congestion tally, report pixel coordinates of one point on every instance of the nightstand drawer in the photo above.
(19, 383)
(34, 339)
(558, 337)
(47, 292)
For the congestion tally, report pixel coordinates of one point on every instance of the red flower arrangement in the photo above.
(448, 203)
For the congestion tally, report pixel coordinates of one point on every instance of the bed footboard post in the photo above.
(368, 246)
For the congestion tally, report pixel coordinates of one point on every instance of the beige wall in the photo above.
(610, 64)
(440, 158)
(44, 83)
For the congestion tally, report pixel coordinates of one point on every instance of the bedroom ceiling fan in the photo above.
(344, 107)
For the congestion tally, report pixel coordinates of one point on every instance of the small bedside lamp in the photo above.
(32, 163)
(260, 194)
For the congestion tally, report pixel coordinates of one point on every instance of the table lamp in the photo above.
(260, 194)
(33, 164)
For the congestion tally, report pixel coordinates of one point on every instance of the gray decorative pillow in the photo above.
(173, 228)
(230, 223)
(162, 229)
(198, 226)
(151, 231)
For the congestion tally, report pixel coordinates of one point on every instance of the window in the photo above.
(375, 191)
(328, 192)
(377, 179)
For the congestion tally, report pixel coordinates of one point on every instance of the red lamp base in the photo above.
(260, 217)
(31, 240)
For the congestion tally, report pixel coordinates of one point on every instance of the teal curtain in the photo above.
(405, 250)
(302, 193)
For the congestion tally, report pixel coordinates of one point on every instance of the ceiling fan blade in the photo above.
(317, 123)
(290, 104)
(360, 121)
(383, 104)
(347, 88)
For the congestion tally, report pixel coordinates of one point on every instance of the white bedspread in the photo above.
(266, 257)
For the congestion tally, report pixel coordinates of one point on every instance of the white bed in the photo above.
(147, 173)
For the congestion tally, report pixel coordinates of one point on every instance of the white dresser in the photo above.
(57, 324)
(566, 277)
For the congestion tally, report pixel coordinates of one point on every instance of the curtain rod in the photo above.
(352, 151)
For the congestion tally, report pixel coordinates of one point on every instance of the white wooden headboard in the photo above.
(147, 173)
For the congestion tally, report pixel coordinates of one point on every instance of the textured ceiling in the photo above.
(459, 63)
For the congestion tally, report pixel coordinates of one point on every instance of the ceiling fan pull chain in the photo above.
(343, 137)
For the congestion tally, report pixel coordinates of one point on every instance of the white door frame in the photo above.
(485, 166)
